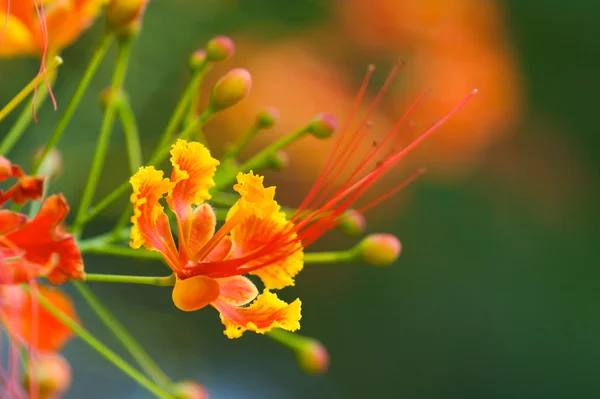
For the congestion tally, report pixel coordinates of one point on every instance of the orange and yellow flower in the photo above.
(29, 32)
(210, 264)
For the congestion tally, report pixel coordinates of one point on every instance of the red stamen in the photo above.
(39, 8)
(393, 191)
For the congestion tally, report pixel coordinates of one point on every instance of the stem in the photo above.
(133, 347)
(103, 349)
(179, 113)
(97, 56)
(261, 159)
(25, 118)
(349, 255)
(167, 281)
(287, 338)
(104, 136)
(132, 136)
(122, 251)
(22, 95)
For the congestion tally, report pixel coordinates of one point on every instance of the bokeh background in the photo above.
(496, 292)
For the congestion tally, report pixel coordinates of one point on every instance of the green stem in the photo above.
(104, 137)
(287, 338)
(349, 255)
(236, 148)
(121, 251)
(27, 90)
(132, 136)
(180, 109)
(103, 349)
(25, 118)
(97, 56)
(260, 160)
(133, 347)
(167, 281)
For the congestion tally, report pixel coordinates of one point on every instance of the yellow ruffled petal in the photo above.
(148, 218)
(264, 314)
(193, 171)
(254, 197)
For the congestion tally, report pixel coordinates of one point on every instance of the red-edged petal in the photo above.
(264, 314)
(26, 188)
(31, 322)
(44, 242)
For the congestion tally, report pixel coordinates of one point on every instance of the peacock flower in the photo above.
(38, 246)
(209, 264)
(34, 27)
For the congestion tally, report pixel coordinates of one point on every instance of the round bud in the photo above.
(219, 49)
(197, 59)
(189, 390)
(123, 15)
(279, 160)
(266, 118)
(323, 126)
(380, 249)
(51, 375)
(230, 89)
(52, 165)
(195, 293)
(313, 357)
(353, 223)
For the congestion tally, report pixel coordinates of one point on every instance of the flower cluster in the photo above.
(214, 222)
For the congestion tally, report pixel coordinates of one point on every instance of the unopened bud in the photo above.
(230, 89)
(313, 357)
(353, 223)
(125, 16)
(108, 94)
(52, 165)
(50, 375)
(219, 49)
(266, 118)
(380, 249)
(195, 293)
(279, 160)
(197, 59)
(189, 390)
(323, 126)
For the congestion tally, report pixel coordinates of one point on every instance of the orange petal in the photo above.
(265, 313)
(281, 264)
(44, 242)
(237, 290)
(18, 38)
(150, 224)
(26, 188)
(195, 293)
(201, 229)
(31, 322)
(10, 220)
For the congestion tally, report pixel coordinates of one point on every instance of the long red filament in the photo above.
(392, 191)
(39, 8)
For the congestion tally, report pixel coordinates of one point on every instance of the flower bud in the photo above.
(219, 49)
(195, 293)
(353, 223)
(52, 165)
(323, 126)
(125, 15)
(189, 390)
(197, 59)
(266, 118)
(51, 375)
(313, 357)
(108, 94)
(380, 249)
(279, 160)
(230, 89)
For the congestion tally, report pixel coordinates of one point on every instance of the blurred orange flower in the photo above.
(64, 20)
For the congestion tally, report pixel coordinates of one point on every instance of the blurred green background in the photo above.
(496, 293)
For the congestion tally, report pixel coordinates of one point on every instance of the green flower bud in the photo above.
(189, 390)
(220, 49)
(323, 126)
(379, 249)
(353, 223)
(266, 118)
